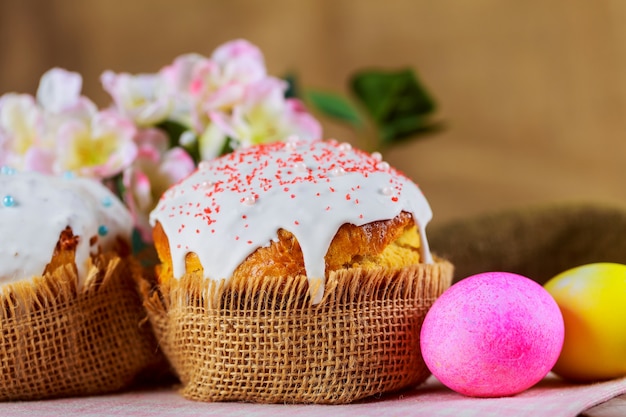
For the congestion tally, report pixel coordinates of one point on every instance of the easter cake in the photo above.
(293, 272)
(70, 313)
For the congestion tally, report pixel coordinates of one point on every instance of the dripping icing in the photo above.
(41, 207)
(308, 188)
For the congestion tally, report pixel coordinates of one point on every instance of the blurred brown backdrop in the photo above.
(533, 92)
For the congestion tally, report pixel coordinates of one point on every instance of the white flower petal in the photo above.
(59, 89)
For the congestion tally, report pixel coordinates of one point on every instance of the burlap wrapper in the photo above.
(264, 341)
(59, 340)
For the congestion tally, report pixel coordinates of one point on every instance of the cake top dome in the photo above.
(36, 208)
(235, 204)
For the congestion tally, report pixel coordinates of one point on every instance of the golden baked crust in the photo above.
(393, 243)
(65, 250)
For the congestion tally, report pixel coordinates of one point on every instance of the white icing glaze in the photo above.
(36, 208)
(235, 204)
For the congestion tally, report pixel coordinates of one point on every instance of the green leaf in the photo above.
(336, 106)
(396, 101)
(293, 87)
(227, 147)
(406, 128)
(173, 130)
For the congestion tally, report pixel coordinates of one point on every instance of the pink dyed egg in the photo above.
(492, 335)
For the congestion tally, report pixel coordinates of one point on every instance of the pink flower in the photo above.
(213, 140)
(264, 115)
(143, 98)
(63, 131)
(177, 79)
(300, 122)
(59, 89)
(238, 65)
(226, 96)
(218, 83)
(154, 170)
(97, 144)
(178, 74)
(21, 132)
(240, 62)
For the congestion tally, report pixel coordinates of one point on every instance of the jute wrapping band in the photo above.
(59, 340)
(262, 341)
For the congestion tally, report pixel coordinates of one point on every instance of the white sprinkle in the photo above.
(300, 167)
(248, 201)
(291, 143)
(345, 147)
(337, 172)
(377, 156)
(383, 166)
(387, 191)
(204, 165)
(206, 184)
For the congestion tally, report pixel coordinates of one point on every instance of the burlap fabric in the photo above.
(536, 241)
(59, 340)
(265, 342)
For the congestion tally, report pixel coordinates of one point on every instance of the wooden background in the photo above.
(533, 92)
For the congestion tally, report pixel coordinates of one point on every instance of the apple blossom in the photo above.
(98, 146)
(154, 170)
(240, 61)
(143, 98)
(21, 128)
(239, 64)
(224, 101)
(159, 125)
(59, 89)
(213, 140)
(205, 84)
(264, 115)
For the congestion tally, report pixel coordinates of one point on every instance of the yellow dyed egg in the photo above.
(592, 299)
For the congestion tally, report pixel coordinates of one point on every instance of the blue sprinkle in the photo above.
(103, 230)
(8, 201)
(6, 170)
(68, 175)
(107, 201)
